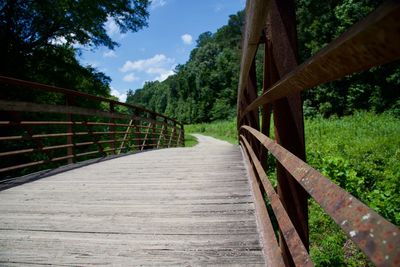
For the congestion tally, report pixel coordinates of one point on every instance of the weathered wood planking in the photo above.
(178, 206)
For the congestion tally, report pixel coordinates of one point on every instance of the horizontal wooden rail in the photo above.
(371, 42)
(37, 135)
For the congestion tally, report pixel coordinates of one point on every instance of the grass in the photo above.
(361, 153)
(224, 130)
(190, 140)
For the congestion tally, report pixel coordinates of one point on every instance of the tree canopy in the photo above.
(39, 38)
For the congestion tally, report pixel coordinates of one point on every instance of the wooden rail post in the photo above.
(288, 115)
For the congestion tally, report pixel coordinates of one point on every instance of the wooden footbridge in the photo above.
(87, 180)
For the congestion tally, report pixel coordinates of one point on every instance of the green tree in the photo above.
(377, 89)
(37, 37)
(204, 88)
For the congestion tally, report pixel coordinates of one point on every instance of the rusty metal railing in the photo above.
(371, 42)
(44, 127)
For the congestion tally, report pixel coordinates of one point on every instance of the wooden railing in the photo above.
(371, 42)
(45, 126)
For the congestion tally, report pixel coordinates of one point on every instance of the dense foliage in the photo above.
(377, 89)
(38, 39)
(204, 89)
(359, 153)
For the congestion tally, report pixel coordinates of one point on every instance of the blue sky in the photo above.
(153, 52)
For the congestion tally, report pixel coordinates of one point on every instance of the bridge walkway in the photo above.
(175, 206)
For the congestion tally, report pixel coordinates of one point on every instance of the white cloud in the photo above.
(164, 75)
(109, 53)
(111, 27)
(93, 64)
(148, 65)
(120, 96)
(130, 77)
(58, 40)
(157, 3)
(187, 39)
(159, 66)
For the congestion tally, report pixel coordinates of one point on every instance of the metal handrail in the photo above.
(29, 143)
(372, 42)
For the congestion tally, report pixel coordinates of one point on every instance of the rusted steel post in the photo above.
(126, 135)
(95, 138)
(183, 135)
(270, 77)
(172, 135)
(161, 135)
(138, 130)
(180, 141)
(146, 136)
(70, 150)
(112, 129)
(288, 115)
(153, 134)
(250, 94)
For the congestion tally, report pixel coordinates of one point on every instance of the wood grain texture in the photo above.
(176, 206)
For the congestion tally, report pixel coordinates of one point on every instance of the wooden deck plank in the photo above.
(178, 206)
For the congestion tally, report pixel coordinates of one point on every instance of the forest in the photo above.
(204, 88)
